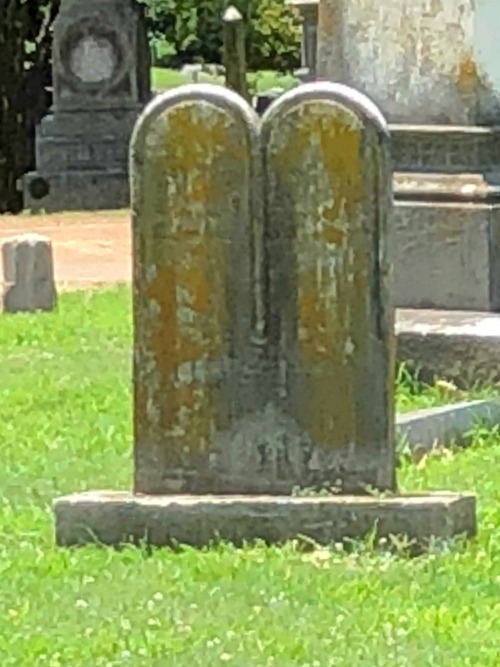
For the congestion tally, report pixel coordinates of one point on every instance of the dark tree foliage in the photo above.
(25, 47)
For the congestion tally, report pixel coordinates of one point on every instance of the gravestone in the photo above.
(101, 81)
(264, 349)
(28, 274)
(210, 416)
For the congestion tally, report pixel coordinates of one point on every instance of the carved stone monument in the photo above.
(264, 342)
(101, 81)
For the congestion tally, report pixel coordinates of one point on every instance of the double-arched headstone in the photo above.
(264, 346)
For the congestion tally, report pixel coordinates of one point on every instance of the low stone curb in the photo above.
(424, 429)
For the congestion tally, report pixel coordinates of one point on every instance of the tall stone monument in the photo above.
(101, 81)
(433, 69)
(264, 342)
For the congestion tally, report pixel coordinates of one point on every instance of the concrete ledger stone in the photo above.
(28, 274)
(114, 518)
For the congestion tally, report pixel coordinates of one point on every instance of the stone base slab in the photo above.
(113, 518)
(463, 347)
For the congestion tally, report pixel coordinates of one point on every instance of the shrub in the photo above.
(191, 31)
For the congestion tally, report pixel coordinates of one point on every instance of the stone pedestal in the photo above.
(434, 65)
(101, 81)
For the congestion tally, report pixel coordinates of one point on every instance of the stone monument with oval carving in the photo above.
(101, 81)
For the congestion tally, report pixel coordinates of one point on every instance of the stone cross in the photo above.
(264, 347)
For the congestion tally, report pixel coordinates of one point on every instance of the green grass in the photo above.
(65, 426)
(163, 79)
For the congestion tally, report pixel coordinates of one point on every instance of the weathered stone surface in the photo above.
(28, 274)
(114, 518)
(460, 346)
(91, 190)
(329, 324)
(101, 77)
(195, 217)
(447, 254)
(308, 10)
(421, 62)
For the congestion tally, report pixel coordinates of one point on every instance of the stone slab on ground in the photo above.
(454, 345)
(114, 518)
(423, 429)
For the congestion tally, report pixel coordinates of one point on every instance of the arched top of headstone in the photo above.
(318, 91)
(210, 94)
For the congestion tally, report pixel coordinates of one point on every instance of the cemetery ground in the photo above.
(66, 427)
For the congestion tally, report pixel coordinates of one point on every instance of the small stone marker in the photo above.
(330, 323)
(28, 274)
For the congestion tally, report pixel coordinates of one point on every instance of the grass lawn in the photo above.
(164, 79)
(65, 426)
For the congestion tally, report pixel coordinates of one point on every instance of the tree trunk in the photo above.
(24, 75)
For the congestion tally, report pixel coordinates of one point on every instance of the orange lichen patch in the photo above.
(326, 410)
(185, 406)
(468, 77)
(326, 142)
(331, 234)
(193, 136)
(324, 339)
